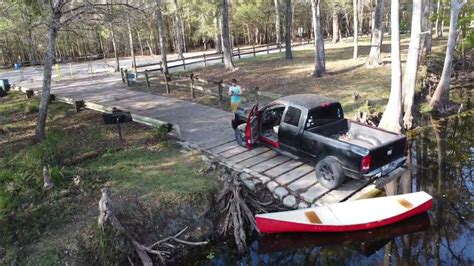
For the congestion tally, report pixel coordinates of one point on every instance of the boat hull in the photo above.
(268, 224)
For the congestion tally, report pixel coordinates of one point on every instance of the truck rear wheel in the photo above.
(329, 172)
(240, 137)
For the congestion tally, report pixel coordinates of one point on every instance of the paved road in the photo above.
(81, 69)
(193, 122)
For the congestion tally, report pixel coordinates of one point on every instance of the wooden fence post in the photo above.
(147, 80)
(238, 51)
(70, 70)
(204, 55)
(222, 57)
(256, 93)
(168, 91)
(253, 47)
(126, 76)
(279, 46)
(161, 67)
(268, 49)
(219, 89)
(191, 77)
(184, 63)
(121, 73)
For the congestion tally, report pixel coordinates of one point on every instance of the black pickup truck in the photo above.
(313, 128)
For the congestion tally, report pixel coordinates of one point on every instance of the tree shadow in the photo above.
(345, 70)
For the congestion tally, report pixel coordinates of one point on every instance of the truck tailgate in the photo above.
(388, 152)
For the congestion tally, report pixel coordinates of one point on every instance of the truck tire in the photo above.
(240, 137)
(329, 172)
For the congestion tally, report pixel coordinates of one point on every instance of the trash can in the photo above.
(130, 78)
(5, 85)
(17, 66)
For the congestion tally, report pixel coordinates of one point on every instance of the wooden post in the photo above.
(78, 105)
(204, 56)
(184, 63)
(70, 70)
(121, 73)
(147, 80)
(268, 49)
(279, 46)
(222, 57)
(238, 51)
(219, 89)
(29, 94)
(161, 67)
(253, 47)
(126, 76)
(256, 93)
(168, 91)
(191, 77)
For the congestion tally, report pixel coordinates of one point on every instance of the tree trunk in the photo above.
(162, 34)
(54, 25)
(443, 13)
(140, 43)
(277, 23)
(217, 39)
(356, 36)
(411, 66)
(438, 16)
(130, 38)
(426, 27)
(319, 54)
(288, 54)
(393, 111)
(335, 26)
(375, 59)
(440, 97)
(114, 45)
(179, 29)
(228, 62)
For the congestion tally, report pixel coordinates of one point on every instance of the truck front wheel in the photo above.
(329, 172)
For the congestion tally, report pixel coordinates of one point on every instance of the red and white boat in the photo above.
(346, 216)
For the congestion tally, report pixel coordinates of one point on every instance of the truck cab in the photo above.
(313, 127)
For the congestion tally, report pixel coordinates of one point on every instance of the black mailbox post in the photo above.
(117, 117)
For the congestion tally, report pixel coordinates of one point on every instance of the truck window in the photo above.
(323, 115)
(292, 116)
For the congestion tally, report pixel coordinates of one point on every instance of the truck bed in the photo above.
(354, 133)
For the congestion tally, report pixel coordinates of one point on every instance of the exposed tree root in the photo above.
(234, 205)
(107, 216)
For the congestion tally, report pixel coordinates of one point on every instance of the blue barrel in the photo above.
(131, 78)
(4, 84)
(17, 66)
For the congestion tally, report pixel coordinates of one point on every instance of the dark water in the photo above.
(441, 157)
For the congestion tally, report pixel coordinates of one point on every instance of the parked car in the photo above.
(313, 128)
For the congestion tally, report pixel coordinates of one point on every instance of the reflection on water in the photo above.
(441, 157)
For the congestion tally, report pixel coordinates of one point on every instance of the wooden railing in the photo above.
(195, 84)
(205, 58)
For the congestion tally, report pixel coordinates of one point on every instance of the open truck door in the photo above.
(252, 130)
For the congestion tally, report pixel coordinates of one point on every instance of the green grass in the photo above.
(159, 176)
(37, 226)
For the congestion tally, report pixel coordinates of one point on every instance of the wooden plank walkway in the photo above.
(291, 180)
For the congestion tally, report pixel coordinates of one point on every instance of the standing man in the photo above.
(234, 92)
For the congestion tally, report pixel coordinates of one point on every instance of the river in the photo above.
(441, 162)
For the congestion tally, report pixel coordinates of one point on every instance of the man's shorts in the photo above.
(234, 107)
